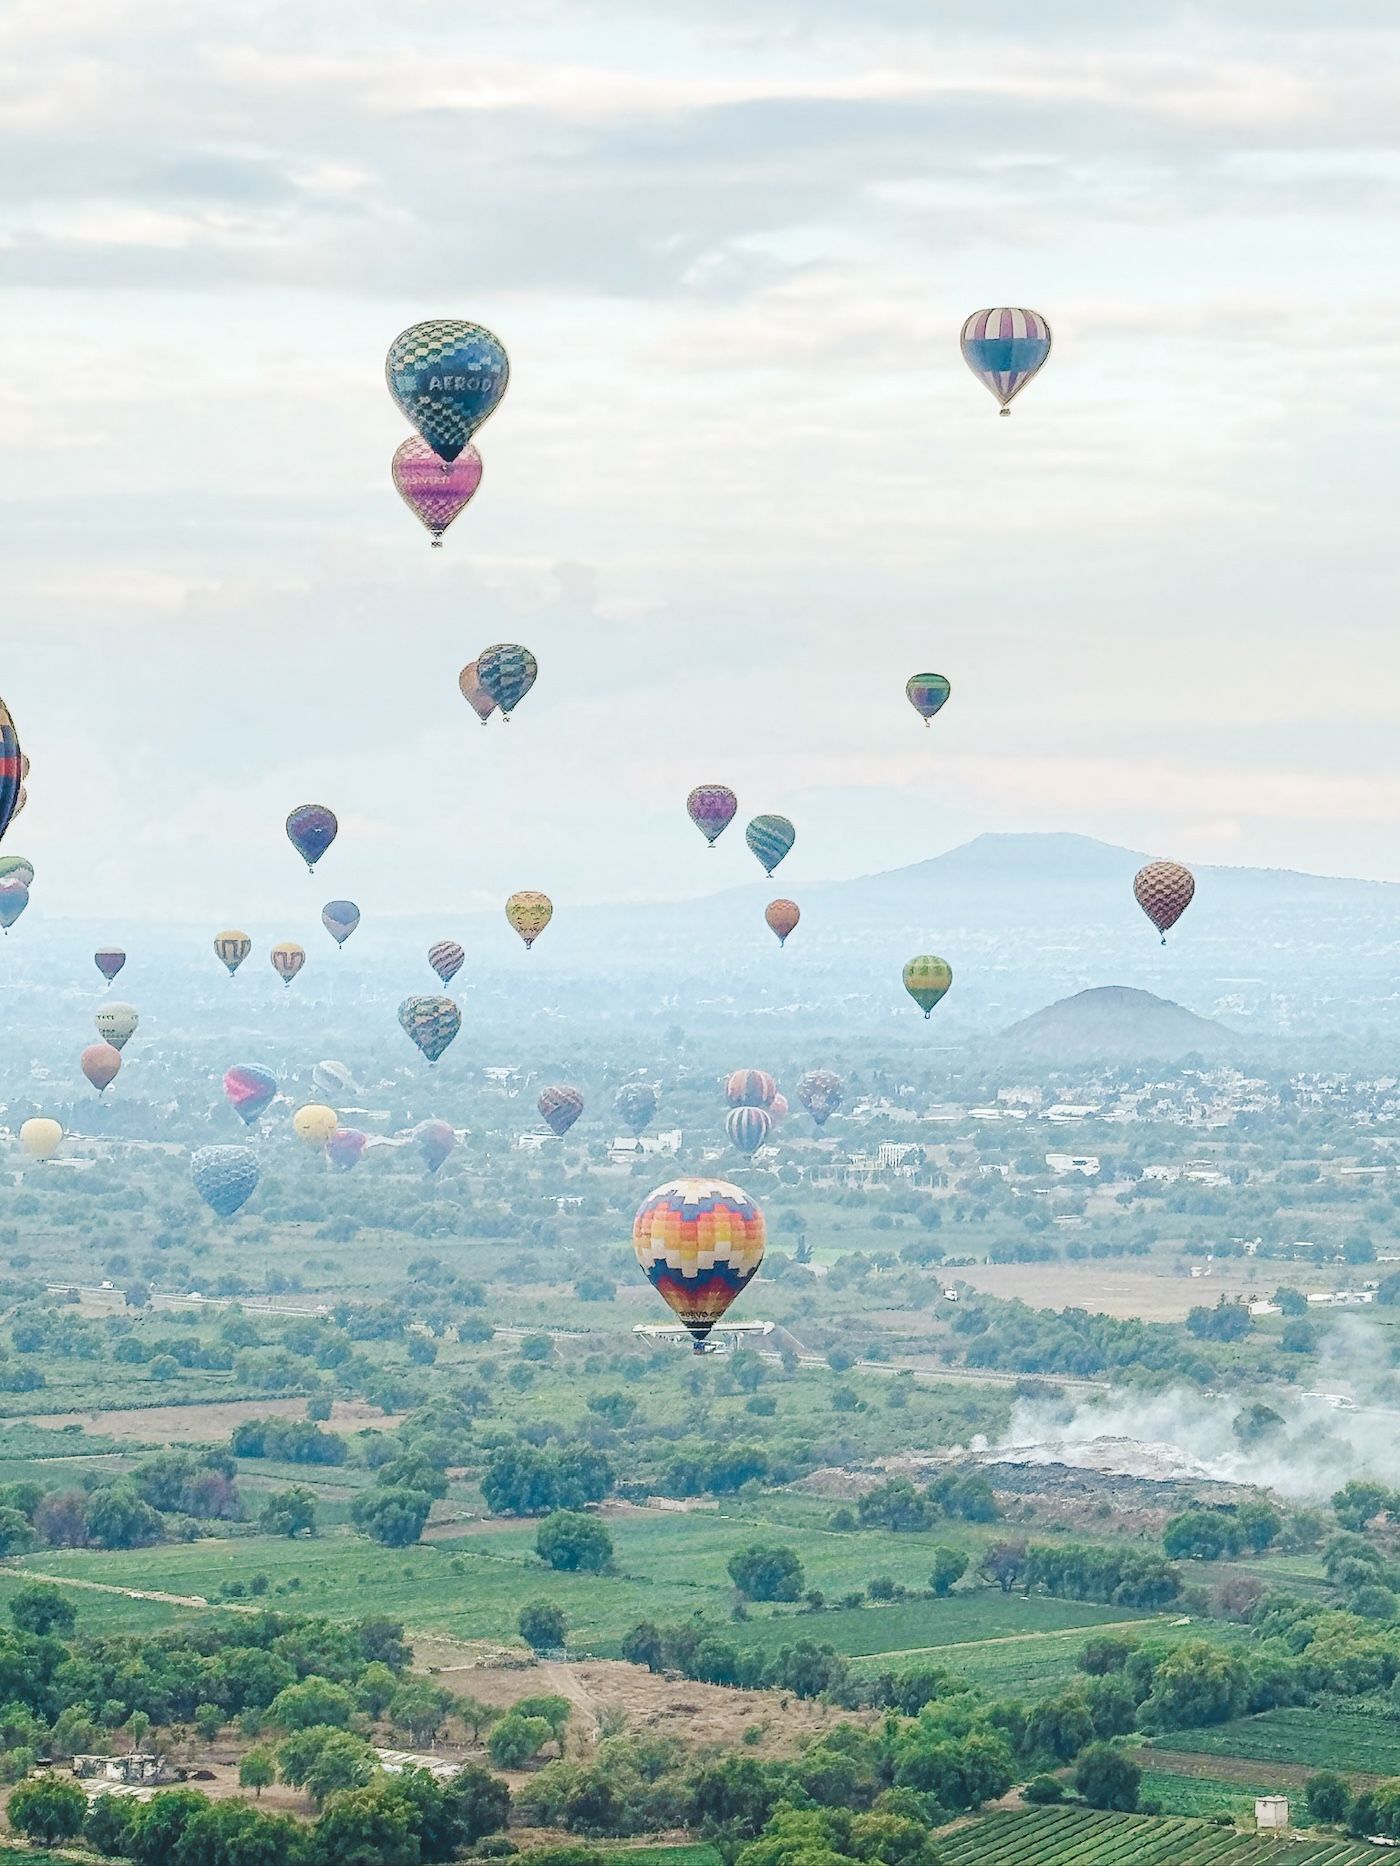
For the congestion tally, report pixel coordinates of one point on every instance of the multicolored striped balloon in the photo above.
(748, 1128)
(1004, 347)
(431, 1022)
(287, 960)
(711, 808)
(447, 375)
(250, 1090)
(446, 959)
(927, 979)
(926, 693)
(699, 1243)
(1164, 891)
(12, 769)
(340, 918)
(233, 948)
(505, 672)
(18, 868)
(782, 918)
(529, 912)
(560, 1105)
(14, 898)
(435, 490)
(750, 1088)
(770, 838)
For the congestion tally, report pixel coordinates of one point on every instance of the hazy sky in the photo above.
(742, 484)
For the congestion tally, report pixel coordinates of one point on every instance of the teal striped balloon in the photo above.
(770, 838)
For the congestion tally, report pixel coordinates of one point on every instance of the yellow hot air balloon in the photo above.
(233, 948)
(40, 1137)
(529, 912)
(287, 960)
(927, 979)
(315, 1123)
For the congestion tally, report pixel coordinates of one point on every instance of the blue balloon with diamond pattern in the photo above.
(447, 375)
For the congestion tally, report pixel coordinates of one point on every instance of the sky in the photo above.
(741, 486)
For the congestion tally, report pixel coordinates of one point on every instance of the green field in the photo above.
(1082, 1837)
(1207, 1794)
(1315, 1739)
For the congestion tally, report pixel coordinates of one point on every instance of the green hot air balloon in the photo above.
(927, 979)
(770, 838)
(431, 1021)
(926, 693)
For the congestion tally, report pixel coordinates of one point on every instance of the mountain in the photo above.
(1117, 1024)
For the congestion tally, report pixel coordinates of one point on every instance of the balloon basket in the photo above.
(723, 1338)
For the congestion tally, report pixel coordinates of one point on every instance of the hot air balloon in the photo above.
(447, 375)
(311, 829)
(748, 1128)
(17, 866)
(233, 948)
(475, 695)
(287, 960)
(446, 959)
(1004, 348)
(770, 838)
(340, 918)
(778, 1108)
(711, 808)
(436, 1139)
(750, 1088)
(99, 1062)
(636, 1103)
(434, 490)
(529, 912)
(505, 672)
(821, 1092)
(699, 1242)
(334, 1080)
(12, 769)
(224, 1177)
(432, 1022)
(250, 1089)
(314, 1123)
(560, 1105)
(927, 979)
(109, 960)
(116, 1024)
(1164, 891)
(345, 1146)
(40, 1137)
(782, 917)
(14, 898)
(927, 692)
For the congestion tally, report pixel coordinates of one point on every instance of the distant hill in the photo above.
(1115, 1023)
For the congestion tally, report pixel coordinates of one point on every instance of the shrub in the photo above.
(49, 1809)
(1043, 1790)
(41, 1608)
(895, 1504)
(542, 1625)
(289, 1512)
(391, 1515)
(949, 1567)
(516, 1740)
(767, 1571)
(573, 1543)
(1328, 1796)
(1107, 1779)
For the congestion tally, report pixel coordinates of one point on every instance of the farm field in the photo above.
(1318, 1739)
(1206, 1795)
(1083, 1837)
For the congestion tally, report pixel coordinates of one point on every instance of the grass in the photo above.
(1321, 1739)
(99, 1612)
(699, 1854)
(915, 1628)
(1205, 1794)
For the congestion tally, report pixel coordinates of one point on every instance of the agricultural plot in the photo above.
(1349, 1741)
(937, 1629)
(1082, 1837)
(1205, 1795)
(701, 1854)
(100, 1610)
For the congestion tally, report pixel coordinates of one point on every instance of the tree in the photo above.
(289, 1512)
(1227, 1321)
(1357, 1502)
(515, 1740)
(256, 1771)
(1200, 1535)
(61, 1520)
(1059, 1727)
(312, 1703)
(420, 1708)
(161, 1827)
(1196, 1684)
(1259, 1524)
(477, 1804)
(553, 1707)
(230, 1833)
(41, 1608)
(1328, 1796)
(375, 1687)
(1043, 1791)
(767, 1571)
(48, 1810)
(574, 1543)
(344, 1761)
(542, 1625)
(138, 1728)
(208, 1720)
(1002, 1562)
(118, 1519)
(895, 1504)
(476, 1715)
(1106, 1778)
(949, 1567)
(368, 1826)
(108, 1824)
(392, 1515)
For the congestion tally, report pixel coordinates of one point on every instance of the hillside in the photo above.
(1115, 1023)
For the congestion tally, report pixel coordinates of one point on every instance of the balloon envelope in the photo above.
(116, 1024)
(40, 1137)
(711, 808)
(224, 1177)
(436, 1139)
(446, 959)
(529, 912)
(447, 375)
(340, 918)
(505, 672)
(334, 1080)
(927, 692)
(432, 1022)
(435, 490)
(314, 1123)
(233, 948)
(14, 898)
(99, 1063)
(345, 1146)
(750, 1088)
(109, 960)
(699, 1242)
(821, 1092)
(770, 838)
(12, 769)
(927, 979)
(311, 829)
(287, 960)
(748, 1128)
(782, 918)
(1004, 347)
(560, 1105)
(250, 1089)
(636, 1103)
(1164, 891)
(17, 866)
(475, 695)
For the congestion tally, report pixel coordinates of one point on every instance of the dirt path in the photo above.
(132, 1593)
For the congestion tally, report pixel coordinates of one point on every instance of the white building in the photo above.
(1085, 1163)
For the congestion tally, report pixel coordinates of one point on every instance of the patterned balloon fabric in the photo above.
(782, 918)
(529, 912)
(821, 1092)
(770, 838)
(116, 1024)
(433, 489)
(447, 375)
(711, 808)
(926, 693)
(560, 1105)
(1004, 347)
(11, 769)
(224, 1177)
(748, 1128)
(287, 960)
(699, 1242)
(232, 948)
(475, 695)
(446, 959)
(505, 672)
(431, 1021)
(1164, 891)
(250, 1090)
(750, 1088)
(927, 980)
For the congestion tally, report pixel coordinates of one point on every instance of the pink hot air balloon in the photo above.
(711, 808)
(99, 1062)
(436, 1139)
(345, 1146)
(250, 1090)
(778, 1107)
(433, 489)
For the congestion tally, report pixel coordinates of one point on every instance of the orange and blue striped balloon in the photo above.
(699, 1243)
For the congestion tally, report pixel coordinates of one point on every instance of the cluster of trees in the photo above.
(1206, 1533)
(1107, 1572)
(171, 1495)
(1367, 1815)
(522, 1479)
(1011, 1335)
(897, 1504)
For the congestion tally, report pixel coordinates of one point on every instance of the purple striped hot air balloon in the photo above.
(1004, 347)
